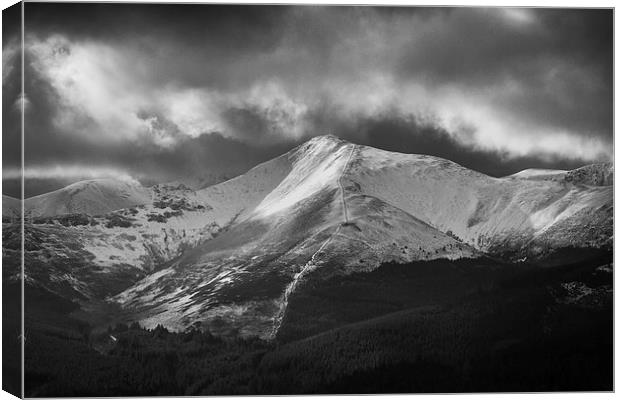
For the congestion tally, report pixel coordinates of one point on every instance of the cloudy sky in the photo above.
(204, 92)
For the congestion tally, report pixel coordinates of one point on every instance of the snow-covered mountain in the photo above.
(593, 175)
(229, 257)
(487, 213)
(95, 196)
(11, 207)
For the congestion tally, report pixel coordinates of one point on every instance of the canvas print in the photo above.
(233, 199)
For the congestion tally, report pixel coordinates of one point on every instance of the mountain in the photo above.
(231, 257)
(284, 229)
(593, 175)
(488, 213)
(11, 207)
(95, 196)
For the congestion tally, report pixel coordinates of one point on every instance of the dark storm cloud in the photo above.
(11, 89)
(247, 121)
(478, 47)
(188, 44)
(245, 26)
(407, 135)
(164, 92)
(209, 157)
(205, 159)
(562, 61)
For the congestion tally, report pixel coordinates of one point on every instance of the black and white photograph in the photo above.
(306, 199)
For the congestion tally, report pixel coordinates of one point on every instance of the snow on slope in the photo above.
(96, 196)
(482, 211)
(318, 165)
(179, 217)
(201, 214)
(238, 197)
(146, 229)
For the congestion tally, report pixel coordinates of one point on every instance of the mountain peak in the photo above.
(326, 137)
(318, 147)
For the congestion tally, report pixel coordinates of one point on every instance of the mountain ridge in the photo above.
(597, 174)
(230, 256)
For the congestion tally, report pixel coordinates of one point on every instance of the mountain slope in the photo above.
(96, 196)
